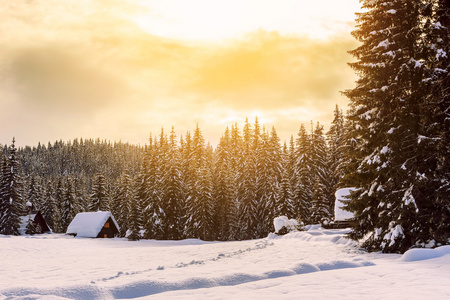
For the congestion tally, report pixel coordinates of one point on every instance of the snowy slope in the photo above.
(314, 264)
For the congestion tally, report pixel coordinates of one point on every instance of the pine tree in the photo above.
(245, 225)
(152, 212)
(303, 172)
(285, 197)
(320, 205)
(390, 108)
(99, 199)
(336, 156)
(70, 205)
(59, 197)
(31, 227)
(34, 195)
(171, 188)
(134, 219)
(11, 206)
(50, 211)
(122, 202)
(203, 208)
(222, 189)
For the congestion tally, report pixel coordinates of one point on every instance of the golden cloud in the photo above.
(70, 62)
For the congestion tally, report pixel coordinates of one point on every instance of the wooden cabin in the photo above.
(100, 224)
(38, 220)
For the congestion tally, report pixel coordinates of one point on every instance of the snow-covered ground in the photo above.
(314, 264)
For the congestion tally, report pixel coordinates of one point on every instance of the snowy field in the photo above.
(315, 264)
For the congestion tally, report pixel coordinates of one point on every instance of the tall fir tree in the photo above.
(390, 109)
(336, 156)
(99, 199)
(303, 173)
(223, 191)
(11, 205)
(172, 188)
(134, 218)
(70, 205)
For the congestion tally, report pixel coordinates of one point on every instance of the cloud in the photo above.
(84, 68)
(269, 71)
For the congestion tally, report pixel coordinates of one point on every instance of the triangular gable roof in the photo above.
(37, 218)
(341, 198)
(24, 222)
(89, 224)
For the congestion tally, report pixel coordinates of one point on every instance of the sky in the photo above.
(122, 69)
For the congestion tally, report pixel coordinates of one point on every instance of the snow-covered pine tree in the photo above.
(434, 179)
(11, 204)
(246, 187)
(264, 194)
(223, 190)
(303, 173)
(335, 162)
(99, 199)
(122, 201)
(31, 227)
(268, 176)
(389, 109)
(70, 205)
(50, 211)
(34, 194)
(321, 172)
(171, 188)
(60, 191)
(186, 167)
(204, 205)
(285, 197)
(4, 166)
(134, 218)
(148, 193)
(320, 205)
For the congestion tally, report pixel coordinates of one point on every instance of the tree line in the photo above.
(182, 188)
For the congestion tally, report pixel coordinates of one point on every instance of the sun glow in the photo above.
(216, 20)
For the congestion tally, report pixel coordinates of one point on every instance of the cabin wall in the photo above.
(108, 232)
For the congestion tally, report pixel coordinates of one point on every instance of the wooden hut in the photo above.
(100, 224)
(38, 221)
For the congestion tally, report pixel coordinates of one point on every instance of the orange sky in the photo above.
(120, 69)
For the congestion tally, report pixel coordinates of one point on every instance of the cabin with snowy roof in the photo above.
(38, 224)
(100, 224)
(33, 222)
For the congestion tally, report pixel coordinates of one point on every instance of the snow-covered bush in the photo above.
(284, 225)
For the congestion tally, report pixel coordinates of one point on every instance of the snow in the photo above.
(283, 221)
(440, 53)
(339, 213)
(312, 264)
(424, 254)
(24, 222)
(385, 43)
(89, 224)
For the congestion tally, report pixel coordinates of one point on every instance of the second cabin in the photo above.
(100, 224)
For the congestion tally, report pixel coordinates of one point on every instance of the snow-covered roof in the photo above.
(89, 224)
(339, 213)
(24, 222)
